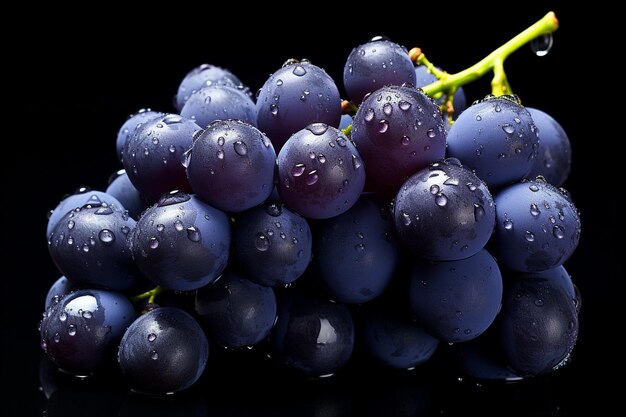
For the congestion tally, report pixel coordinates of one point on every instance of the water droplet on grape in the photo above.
(299, 70)
(508, 129)
(154, 355)
(153, 243)
(542, 44)
(405, 140)
(298, 170)
(274, 109)
(441, 200)
(312, 177)
(387, 109)
(479, 212)
(70, 224)
(534, 210)
(508, 224)
(261, 242)
(106, 236)
(71, 330)
(406, 219)
(240, 148)
(434, 189)
(152, 337)
(383, 126)
(404, 105)
(193, 234)
(558, 232)
(530, 236)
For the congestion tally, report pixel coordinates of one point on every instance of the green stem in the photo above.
(150, 295)
(494, 61)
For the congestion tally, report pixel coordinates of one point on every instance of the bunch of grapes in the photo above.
(303, 225)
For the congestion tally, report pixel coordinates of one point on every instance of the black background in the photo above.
(78, 80)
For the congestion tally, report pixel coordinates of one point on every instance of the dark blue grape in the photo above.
(456, 301)
(423, 77)
(497, 139)
(134, 122)
(202, 76)
(58, 290)
(538, 324)
(537, 227)
(163, 351)
(125, 192)
(83, 196)
(398, 131)
(272, 245)
(155, 154)
(395, 340)
(90, 247)
(181, 243)
(295, 96)
(231, 166)
(320, 172)
(80, 332)
(237, 312)
(312, 336)
(375, 64)
(444, 212)
(356, 253)
(554, 160)
(219, 102)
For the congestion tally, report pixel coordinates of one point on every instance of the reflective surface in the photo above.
(90, 91)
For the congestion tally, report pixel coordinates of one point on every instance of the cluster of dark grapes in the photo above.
(240, 222)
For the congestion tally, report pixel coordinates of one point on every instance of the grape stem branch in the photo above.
(448, 83)
(149, 295)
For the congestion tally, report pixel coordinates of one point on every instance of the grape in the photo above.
(81, 330)
(444, 212)
(82, 197)
(312, 336)
(204, 75)
(398, 131)
(320, 172)
(423, 77)
(295, 96)
(58, 290)
(124, 191)
(496, 138)
(163, 351)
(456, 301)
(134, 122)
(237, 312)
(537, 227)
(356, 253)
(395, 340)
(231, 166)
(375, 64)
(181, 243)
(272, 245)
(89, 245)
(554, 159)
(154, 155)
(219, 102)
(538, 325)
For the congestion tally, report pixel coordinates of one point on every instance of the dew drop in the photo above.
(160, 227)
(279, 82)
(356, 162)
(387, 109)
(312, 177)
(274, 109)
(71, 330)
(85, 248)
(539, 302)
(63, 316)
(431, 133)
(498, 109)
(106, 236)
(240, 148)
(404, 105)
(318, 128)
(193, 234)
(478, 118)
(360, 247)
(87, 314)
(383, 126)
(542, 44)
(405, 140)
(220, 154)
(299, 70)
(152, 337)
(508, 129)
(220, 141)
(533, 188)
(451, 181)
(406, 219)
(441, 200)
(508, 224)
(154, 355)
(153, 243)
(178, 225)
(261, 242)
(534, 210)
(479, 212)
(298, 170)
(558, 231)
(530, 236)
(70, 224)
(471, 186)
(434, 189)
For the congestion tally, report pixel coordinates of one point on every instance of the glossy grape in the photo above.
(398, 131)
(134, 122)
(444, 212)
(80, 332)
(181, 243)
(356, 253)
(295, 96)
(163, 351)
(90, 247)
(497, 139)
(537, 227)
(237, 312)
(154, 155)
(320, 172)
(60, 288)
(202, 76)
(456, 301)
(125, 192)
(272, 245)
(375, 64)
(231, 166)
